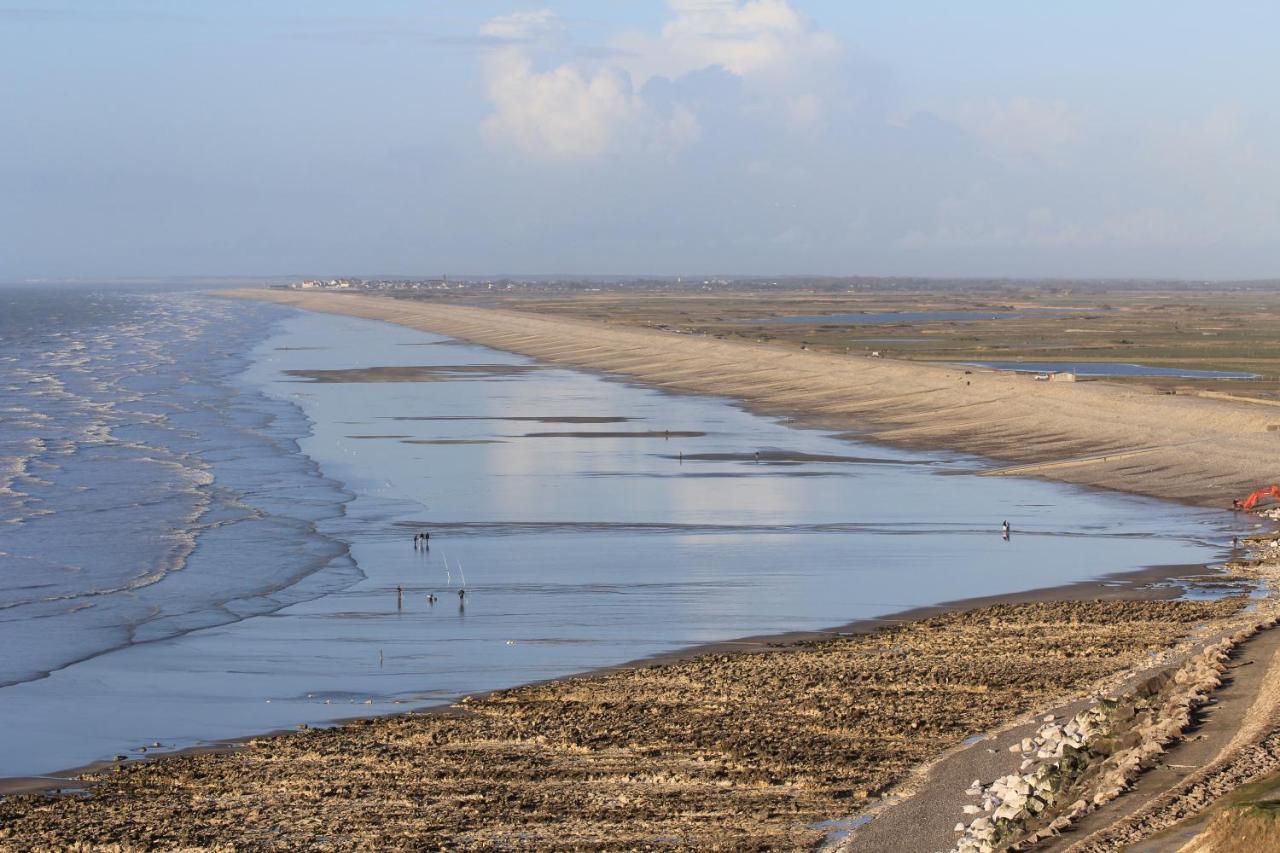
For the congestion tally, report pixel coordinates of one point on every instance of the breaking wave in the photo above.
(142, 487)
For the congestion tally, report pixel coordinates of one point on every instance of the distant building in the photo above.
(1062, 376)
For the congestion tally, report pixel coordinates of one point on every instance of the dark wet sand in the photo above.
(452, 441)
(412, 373)
(541, 419)
(652, 433)
(785, 456)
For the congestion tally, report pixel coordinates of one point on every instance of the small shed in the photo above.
(1062, 376)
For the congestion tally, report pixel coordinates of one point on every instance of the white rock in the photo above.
(959, 828)
(1008, 811)
(1049, 718)
(971, 809)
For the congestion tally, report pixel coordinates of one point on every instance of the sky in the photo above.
(999, 138)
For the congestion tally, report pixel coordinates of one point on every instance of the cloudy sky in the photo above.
(913, 137)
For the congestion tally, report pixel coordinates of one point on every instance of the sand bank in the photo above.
(1131, 438)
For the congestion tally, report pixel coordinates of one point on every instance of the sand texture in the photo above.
(1118, 436)
(745, 751)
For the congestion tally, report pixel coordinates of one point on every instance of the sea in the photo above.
(208, 512)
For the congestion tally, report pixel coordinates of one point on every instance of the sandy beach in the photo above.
(895, 734)
(1201, 450)
(687, 425)
(755, 750)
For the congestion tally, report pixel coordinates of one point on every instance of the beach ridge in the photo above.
(1197, 450)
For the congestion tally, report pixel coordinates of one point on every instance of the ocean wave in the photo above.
(129, 455)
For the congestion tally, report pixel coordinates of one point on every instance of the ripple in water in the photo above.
(137, 480)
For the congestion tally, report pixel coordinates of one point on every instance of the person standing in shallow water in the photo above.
(1004, 531)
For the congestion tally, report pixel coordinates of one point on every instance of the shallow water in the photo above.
(1097, 368)
(887, 317)
(586, 536)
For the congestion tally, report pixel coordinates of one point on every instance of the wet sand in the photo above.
(538, 419)
(652, 433)
(746, 750)
(422, 373)
(1118, 436)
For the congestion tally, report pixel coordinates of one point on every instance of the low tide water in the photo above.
(1108, 368)
(591, 521)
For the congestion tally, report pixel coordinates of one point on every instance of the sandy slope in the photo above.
(1126, 437)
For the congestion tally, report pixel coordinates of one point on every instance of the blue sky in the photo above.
(691, 136)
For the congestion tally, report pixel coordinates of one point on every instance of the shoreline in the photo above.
(1196, 450)
(1129, 586)
(755, 750)
(1134, 585)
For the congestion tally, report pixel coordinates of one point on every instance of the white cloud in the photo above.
(582, 108)
(755, 38)
(567, 111)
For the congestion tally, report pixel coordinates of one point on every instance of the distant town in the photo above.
(544, 284)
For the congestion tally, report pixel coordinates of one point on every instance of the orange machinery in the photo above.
(1252, 501)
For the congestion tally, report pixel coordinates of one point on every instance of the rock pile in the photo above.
(1071, 769)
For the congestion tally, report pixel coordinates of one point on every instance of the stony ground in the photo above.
(744, 751)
